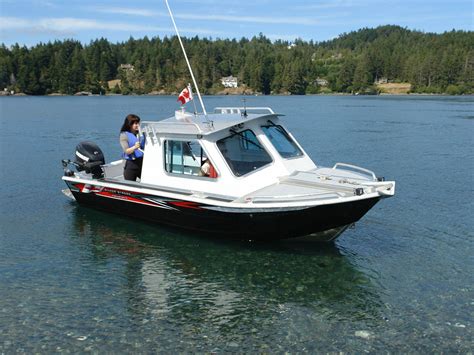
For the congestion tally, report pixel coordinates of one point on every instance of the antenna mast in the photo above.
(187, 61)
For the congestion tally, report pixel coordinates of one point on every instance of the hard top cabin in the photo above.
(247, 148)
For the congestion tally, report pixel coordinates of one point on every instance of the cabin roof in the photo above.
(190, 124)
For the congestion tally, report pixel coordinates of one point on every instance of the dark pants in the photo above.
(133, 169)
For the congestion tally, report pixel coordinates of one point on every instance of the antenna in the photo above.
(245, 108)
(187, 61)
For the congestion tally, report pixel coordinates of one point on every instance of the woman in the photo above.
(132, 147)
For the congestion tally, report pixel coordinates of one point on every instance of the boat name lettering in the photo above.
(117, 192)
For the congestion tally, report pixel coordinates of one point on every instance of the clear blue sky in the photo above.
(31, 21)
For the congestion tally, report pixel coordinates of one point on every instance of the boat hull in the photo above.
(322, 223)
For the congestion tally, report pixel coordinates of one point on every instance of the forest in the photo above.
(350, 63)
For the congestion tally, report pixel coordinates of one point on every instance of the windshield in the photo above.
(282, 141)
(243, 152)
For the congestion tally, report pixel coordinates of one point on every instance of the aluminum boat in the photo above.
(265, 185)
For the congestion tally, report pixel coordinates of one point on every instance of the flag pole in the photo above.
(194, 102)
(186, 57)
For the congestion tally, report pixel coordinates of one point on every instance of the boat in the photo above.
(262, 185)
(265, 185)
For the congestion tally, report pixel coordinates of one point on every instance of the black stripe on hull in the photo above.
(255, 226)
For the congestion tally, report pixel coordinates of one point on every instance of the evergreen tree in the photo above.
(345, 77)
(362, 76)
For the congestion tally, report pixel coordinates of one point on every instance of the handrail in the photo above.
(355, 167)
(157, 124)
(296, 198)
(239, 110)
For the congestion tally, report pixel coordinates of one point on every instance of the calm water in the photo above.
(73, 279)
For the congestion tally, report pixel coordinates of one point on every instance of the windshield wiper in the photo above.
(279, 128)
(245, 138)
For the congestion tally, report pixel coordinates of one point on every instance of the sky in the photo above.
(29, 22)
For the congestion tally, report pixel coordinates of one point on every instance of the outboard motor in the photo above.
(89, 158)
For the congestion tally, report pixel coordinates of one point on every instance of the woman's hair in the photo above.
(129, 121)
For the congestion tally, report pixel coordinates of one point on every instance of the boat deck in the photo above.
(303, 186)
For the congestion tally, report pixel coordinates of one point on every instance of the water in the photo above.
(74, 279)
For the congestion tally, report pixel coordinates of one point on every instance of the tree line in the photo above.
(431, 63)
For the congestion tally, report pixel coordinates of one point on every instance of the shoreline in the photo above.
(219, 94)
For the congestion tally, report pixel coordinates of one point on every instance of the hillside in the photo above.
(353, 62)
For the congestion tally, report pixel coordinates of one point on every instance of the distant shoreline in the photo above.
(228, 94)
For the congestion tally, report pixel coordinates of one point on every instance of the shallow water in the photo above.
(74, 279)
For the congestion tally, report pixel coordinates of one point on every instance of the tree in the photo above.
(344, 78)
(362, 77)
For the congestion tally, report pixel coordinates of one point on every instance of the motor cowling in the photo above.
(89, 158)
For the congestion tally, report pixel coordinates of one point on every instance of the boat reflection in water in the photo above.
(231, 288)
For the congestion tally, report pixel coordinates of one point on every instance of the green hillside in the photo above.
(431, 63)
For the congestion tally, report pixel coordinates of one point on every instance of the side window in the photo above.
(243, 152)
(187, 158)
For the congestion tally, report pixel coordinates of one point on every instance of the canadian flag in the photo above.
(186, 95)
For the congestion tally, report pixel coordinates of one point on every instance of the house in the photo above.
(381, 81)
(292, 45)
(127, 67)
(229, 82)
(321, 82)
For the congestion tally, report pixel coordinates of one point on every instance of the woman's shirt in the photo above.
(124, 141)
